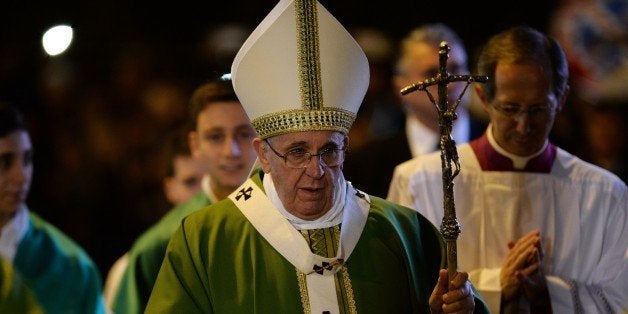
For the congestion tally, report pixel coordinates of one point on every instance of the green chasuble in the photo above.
(217, 262)
(62, 276)
(146, 255)
(15, 295)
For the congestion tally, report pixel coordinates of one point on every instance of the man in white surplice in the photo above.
(541, 229)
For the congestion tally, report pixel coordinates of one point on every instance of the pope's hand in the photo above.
(452, 297)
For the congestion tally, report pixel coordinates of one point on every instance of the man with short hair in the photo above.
(417, 61)
(184, 171)
(221, 140)
(542, 230)
(60, 274)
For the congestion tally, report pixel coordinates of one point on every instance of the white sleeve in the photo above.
(603, 291)
(566, 296)
(574, 297)
(562, 295)
(399, 190)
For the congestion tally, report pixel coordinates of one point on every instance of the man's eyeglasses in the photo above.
(299, 158)
(534, 112)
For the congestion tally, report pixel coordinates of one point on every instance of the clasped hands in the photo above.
(522, 272)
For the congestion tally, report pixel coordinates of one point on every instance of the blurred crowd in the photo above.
(99, 133)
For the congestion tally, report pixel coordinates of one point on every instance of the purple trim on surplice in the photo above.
(491, 160)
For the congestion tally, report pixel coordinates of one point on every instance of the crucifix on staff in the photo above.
(450, 228)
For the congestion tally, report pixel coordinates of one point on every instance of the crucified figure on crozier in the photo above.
(450, 228)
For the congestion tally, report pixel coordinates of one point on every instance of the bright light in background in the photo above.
(57, 39)
(225, 77)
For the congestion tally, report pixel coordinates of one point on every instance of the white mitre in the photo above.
(300, 70)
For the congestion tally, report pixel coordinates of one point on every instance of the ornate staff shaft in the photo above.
(450, 228)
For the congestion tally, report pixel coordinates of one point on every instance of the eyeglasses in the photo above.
(299, 158)
(534, 112)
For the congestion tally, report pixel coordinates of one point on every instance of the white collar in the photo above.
(423, 140)
(286, 239)
(518, 162)
(13, 232)
(207, 188)
(319, 271)
(331, 218)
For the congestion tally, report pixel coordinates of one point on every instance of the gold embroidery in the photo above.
(305, 298)
(324, 242)
(313, 114)
(343, 285)
(321, 242)
(348, 291)
(297, 120)
(308, 55)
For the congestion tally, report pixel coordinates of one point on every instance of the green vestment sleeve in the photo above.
(62, 276)
(15, 295)
(146, 255)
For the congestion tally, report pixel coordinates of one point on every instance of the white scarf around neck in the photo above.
(331, 218)
(12, 233)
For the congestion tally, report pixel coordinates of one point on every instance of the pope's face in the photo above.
(16, 170)
(222, 140)
(523, 110)
(308, 192)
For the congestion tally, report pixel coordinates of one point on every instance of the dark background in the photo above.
(104, 195)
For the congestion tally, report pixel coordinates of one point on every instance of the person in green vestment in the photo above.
(182, 180)
(15, 295)
(296, 237)
(221, 140)
(55, 271)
